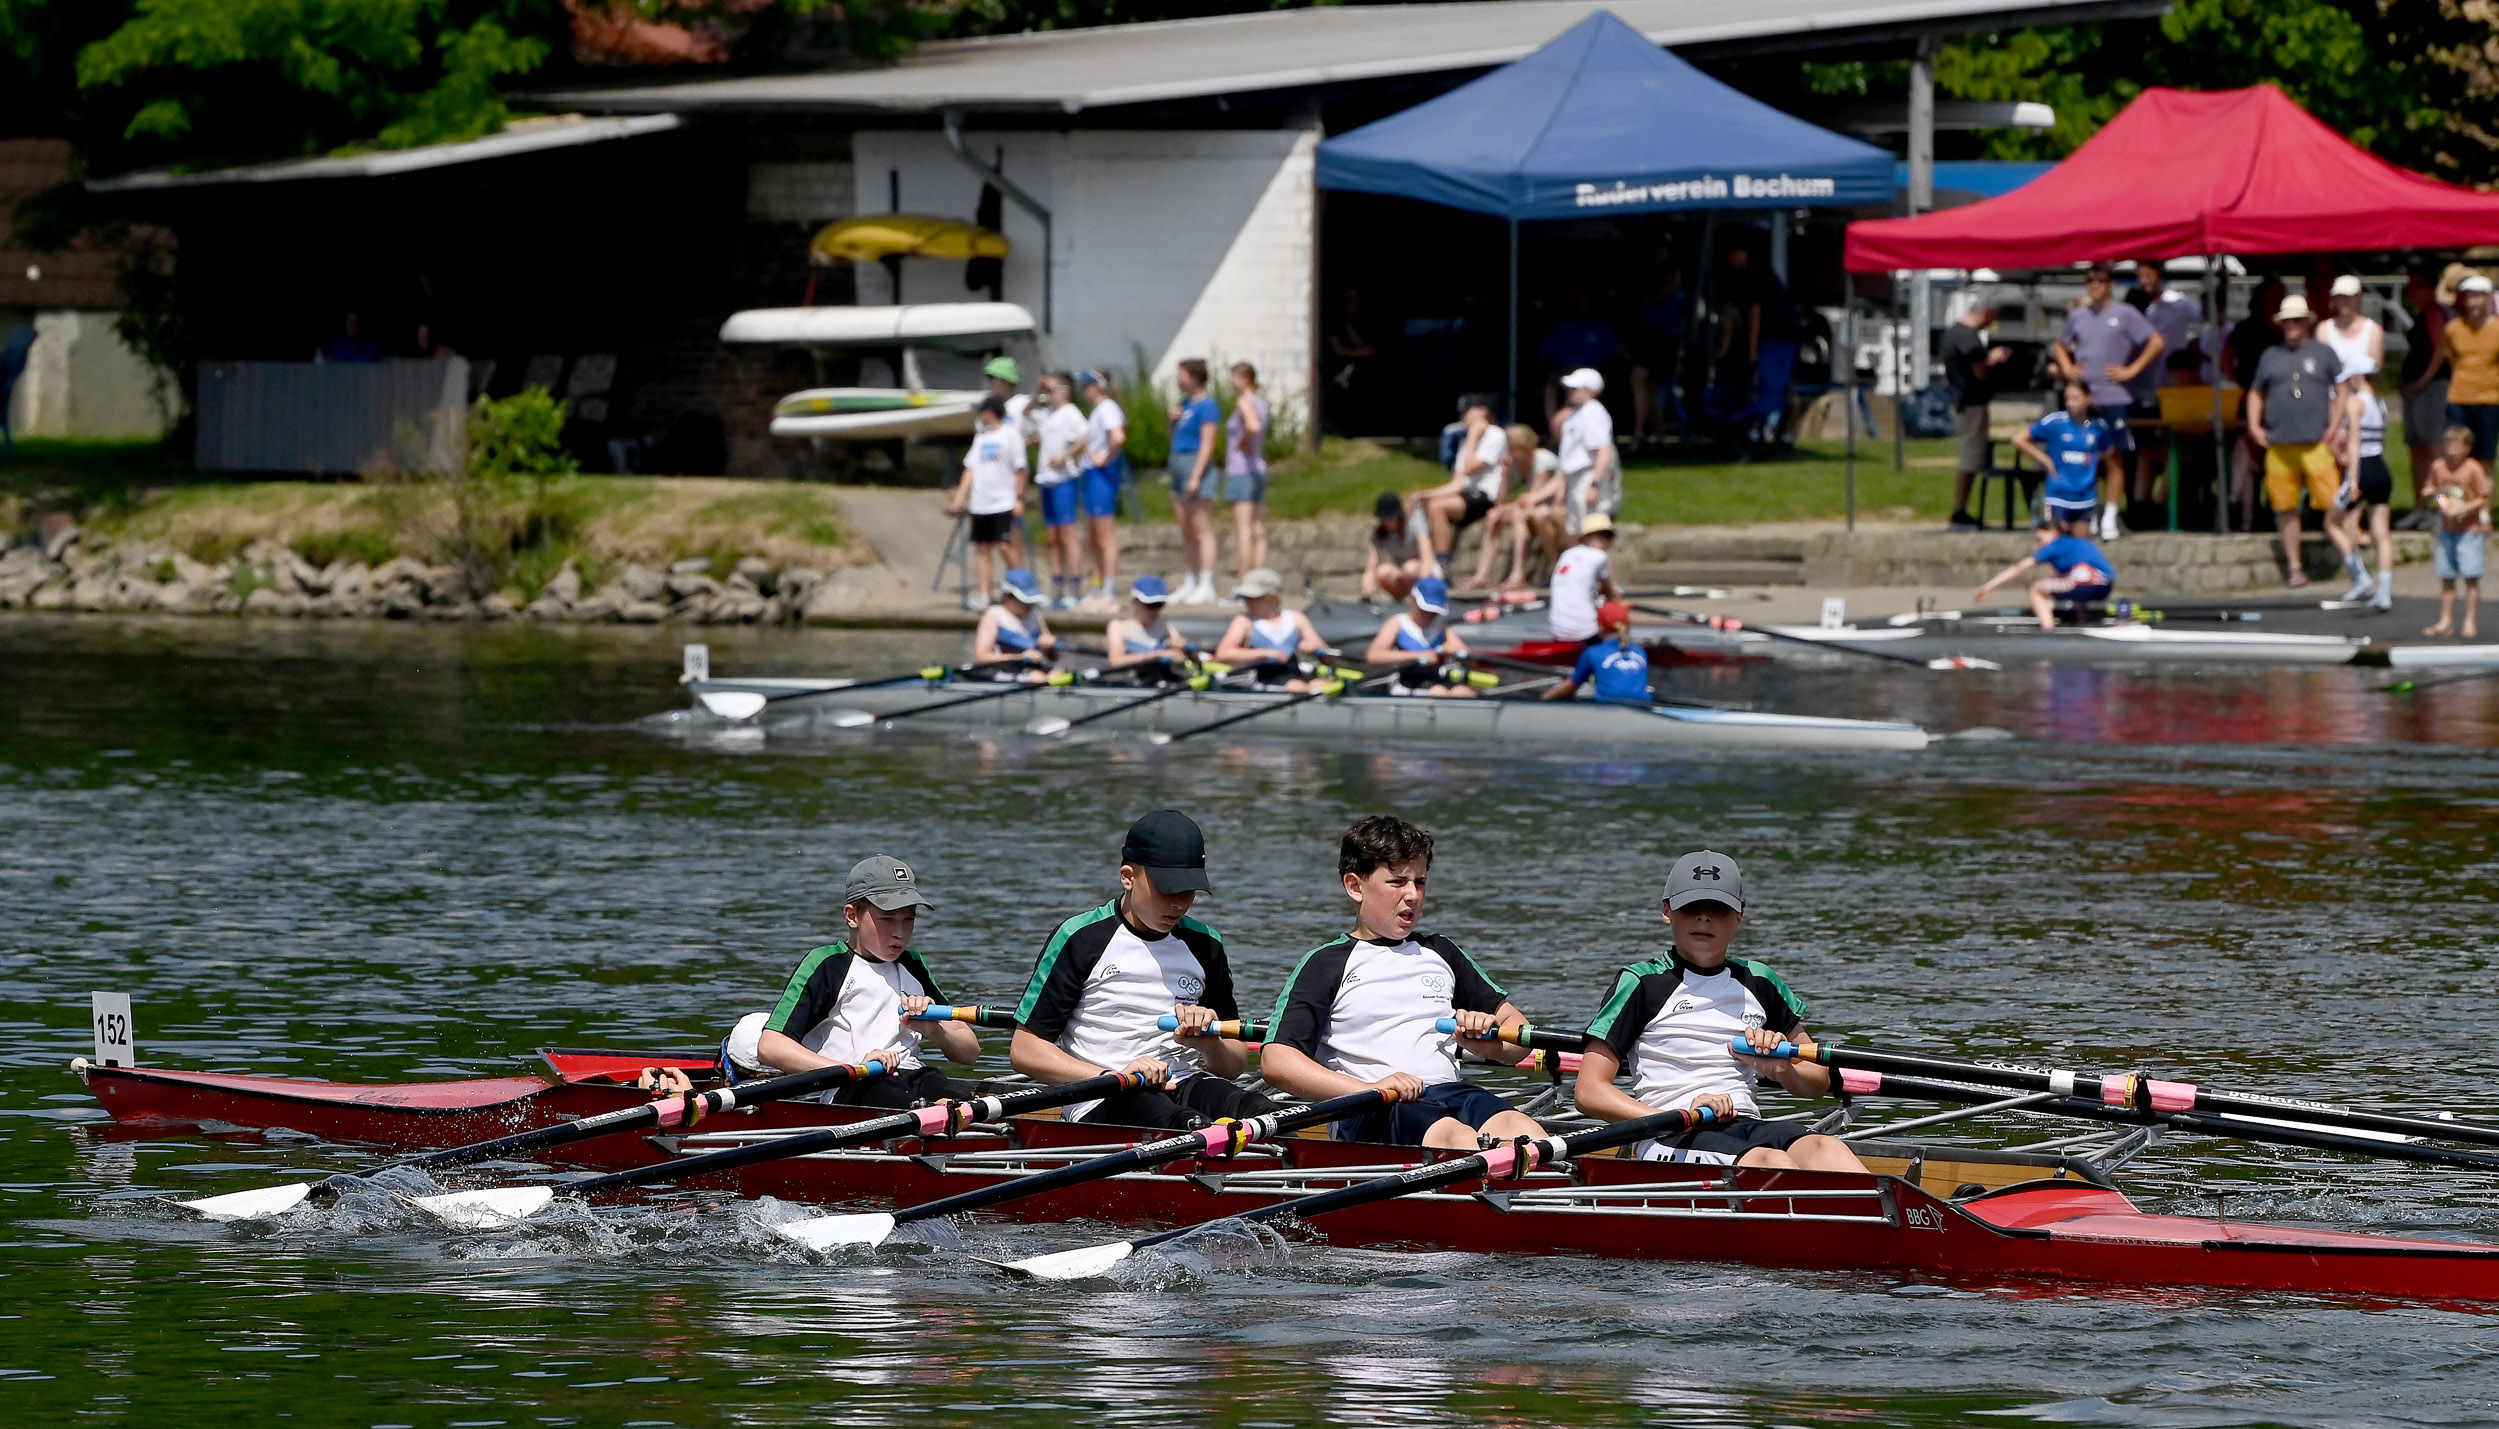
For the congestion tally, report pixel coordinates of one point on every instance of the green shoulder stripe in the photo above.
(1626, 983)
(1762, 971)
(797, 988)
(1050, 955)
(1276, 1019)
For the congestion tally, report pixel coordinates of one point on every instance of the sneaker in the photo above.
(1065, 602)
(2108, 522)
(975, 604)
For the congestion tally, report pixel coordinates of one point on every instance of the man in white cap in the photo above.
(1582, 576)
(851, 1001)
(1669, 1023)
(2295, 416)
(1592, 472)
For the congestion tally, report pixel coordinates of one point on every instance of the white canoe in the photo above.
(871, 413)
(2443, 657)
(800, 707)
(2080, 644)
(949, 325)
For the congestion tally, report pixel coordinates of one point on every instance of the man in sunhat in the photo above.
(1670, 1023)
(1108, 974)
(851, 1001)
(2295, 416)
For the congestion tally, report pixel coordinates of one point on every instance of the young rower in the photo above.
(1418, 642)
(1139, 642)
(852, 1001)
(1107, 975)
(1582, 576)
(1363, 1010)
(1616, 669)
(1265, 640)
(1014, 630)
(1670, 1021)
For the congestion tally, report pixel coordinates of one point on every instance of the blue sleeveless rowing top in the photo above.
(1144, 640)
(1279, 634)
(1411, 636)
(1014, 636)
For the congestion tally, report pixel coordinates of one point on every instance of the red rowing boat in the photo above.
(1565, 653)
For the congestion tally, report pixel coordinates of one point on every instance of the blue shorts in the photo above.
(1182, 463)
(2119, 429)
(1058, 503)
(1405, 1123)
(1101, 487)
(1245, 486)
(2458, 556)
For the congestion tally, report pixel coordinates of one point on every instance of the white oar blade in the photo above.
(827, 1232)
(484, 1210)
(1046, 725)
(254, 1205)
(732, 704)
(1159, 737)
(1961, 662)
(1086, 1263)
(850, 719)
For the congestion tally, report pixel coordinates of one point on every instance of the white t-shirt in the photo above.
(1572, 603)
(845, 1004)
(997, 455)
(1370, 1009)
(1062, 444)
(1020, 419)
(1588, 430)
(1099, 988)
(1105, 418)
(1490, 449)
(1670, 1024)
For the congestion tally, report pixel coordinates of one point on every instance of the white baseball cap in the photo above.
(2475, 284)
(2347, 286)
(1586, 379)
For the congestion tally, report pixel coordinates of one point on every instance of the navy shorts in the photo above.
(1405, 1123)
(2071, 510)
(1058, 503)
(2119, 428)
(1723, 1145)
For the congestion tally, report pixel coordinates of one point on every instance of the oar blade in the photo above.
(1090, 1262)
(822, 1233)
(849, 719)
(487, 1209)
(732, 704)
(1159, 738)
(1043, 726)
(1962, 662)
(258, 1204)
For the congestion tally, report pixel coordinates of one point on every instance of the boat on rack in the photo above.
(801, 707)
(1953, 1213)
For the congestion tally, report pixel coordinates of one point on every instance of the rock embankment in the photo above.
(69, 572)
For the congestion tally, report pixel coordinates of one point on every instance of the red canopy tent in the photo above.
(2178, 173)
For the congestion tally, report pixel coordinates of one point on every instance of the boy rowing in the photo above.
(1106, 976)
(852, 1001)
(1670, 1022)
(1362, 1010)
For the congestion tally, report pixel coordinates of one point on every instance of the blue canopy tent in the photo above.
(1600, 122)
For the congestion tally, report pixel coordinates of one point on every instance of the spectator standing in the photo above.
(2246, 345)
(1592, 471)
(2423, 381)
(1657, 335)
(991, 492)
(1245, 471)
(1003, 377)
(2109, 346)
(351, 345)
(2295, 415)
(1196, 426)
(1758, 310)
(2069, 446)
(1970, 365)
(2460, 488)
(1106, 471)
(2360, 346)
(1579, 341)
(2360, 508)
(1060, 476)
(2173, 316)
(1534, 475)
(2472, 345)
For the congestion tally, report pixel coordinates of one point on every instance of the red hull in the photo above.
(1565, 653)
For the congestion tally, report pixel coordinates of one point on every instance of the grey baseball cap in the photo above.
(886, 883)
(1705, 877)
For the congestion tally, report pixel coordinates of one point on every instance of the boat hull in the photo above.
(2080, 645)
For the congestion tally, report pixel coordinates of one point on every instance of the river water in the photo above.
(382, 853)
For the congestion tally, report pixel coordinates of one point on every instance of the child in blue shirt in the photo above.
(2078, 571)
(2069, 446)
(1616, 669)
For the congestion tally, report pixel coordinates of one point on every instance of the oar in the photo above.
(684, 1109)
(1046, 725)
(1731, 624)
(997, 1017)
(854, 719)
(1515, 1158)
(2270, 1130)
(1224, 1138)
(1323, 691)
(2405, 687)
(745, 704)
(2133, 1090)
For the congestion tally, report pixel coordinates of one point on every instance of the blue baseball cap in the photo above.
(1024, 586)
(1149, 589)
(1431, 593)
(1091, 378)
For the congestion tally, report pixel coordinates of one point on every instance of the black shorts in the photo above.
(993, 529)
(1199, 1101)
(2116, 417)
(916, 1086)
(1404, 1123)
(1724, 1145)
(2377, 484)
(1477, 504)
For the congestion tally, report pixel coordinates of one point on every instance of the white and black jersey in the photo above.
(842, 1005)
(1671, 1024)
(1100, 985)
(1368, 1009)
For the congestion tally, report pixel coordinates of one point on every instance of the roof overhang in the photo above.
(526, 136)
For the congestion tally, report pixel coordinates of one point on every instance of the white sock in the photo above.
(2386, 583)
(2358, 567)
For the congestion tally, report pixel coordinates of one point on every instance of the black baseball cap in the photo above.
(1169, 847)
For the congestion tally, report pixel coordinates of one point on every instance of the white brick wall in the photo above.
(1178, 244)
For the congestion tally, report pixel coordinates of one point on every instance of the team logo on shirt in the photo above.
(1436, 984)
(1188, 985)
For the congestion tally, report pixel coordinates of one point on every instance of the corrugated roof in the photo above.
(523, 137)
(1074, 70)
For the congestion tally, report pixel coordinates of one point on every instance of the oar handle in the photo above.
(997, 1017)
(1545, 1039)
(1254, 1033)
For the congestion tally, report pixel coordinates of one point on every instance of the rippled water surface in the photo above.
(388, 853)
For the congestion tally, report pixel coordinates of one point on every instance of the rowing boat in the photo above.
(1953, 1213)
(2010, 641)
(800, 707)
(2444, 657)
